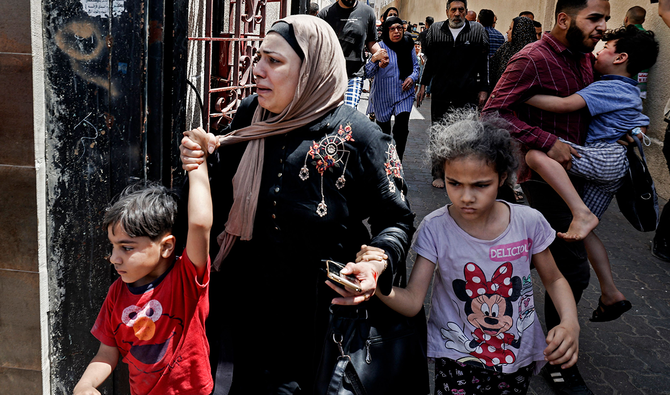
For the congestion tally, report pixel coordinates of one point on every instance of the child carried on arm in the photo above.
(616, 107)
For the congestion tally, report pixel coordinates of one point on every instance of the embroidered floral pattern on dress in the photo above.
(328, 153)
(393, 169)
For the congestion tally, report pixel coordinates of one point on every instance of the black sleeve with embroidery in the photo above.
(390, 217)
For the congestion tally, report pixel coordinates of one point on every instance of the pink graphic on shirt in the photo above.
(510, 252)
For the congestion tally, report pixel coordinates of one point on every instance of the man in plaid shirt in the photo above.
(559, 64)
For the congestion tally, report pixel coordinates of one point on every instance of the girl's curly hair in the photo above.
(462, 133)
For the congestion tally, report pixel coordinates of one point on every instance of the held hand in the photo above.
(199, 137)
(562, 345)
(483, 96)
(369, 253)
(367, 273)
(191, 152)
(420, 95)
(383, 58)
(378, 56)
(408, 84)
(562, 153)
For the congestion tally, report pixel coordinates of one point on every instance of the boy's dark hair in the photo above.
(636, 15)
(143, 210)
(524, 13)
(486, 17)
(537, 24)
(641, 47)
(429, 20)
(570, 7)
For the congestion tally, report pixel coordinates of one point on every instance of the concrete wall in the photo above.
(20, 352)
(658, 89)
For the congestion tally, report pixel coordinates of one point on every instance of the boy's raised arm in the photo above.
(199, 209)
(559, 105)
(101, 366)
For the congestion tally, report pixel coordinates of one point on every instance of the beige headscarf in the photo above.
(321, 88)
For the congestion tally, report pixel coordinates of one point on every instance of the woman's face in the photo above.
(277, 73)
(509, 31)
(395, 32)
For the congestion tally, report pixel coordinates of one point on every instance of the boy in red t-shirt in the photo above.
(154, 315)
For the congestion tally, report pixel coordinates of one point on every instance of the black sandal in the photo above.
(609, 313)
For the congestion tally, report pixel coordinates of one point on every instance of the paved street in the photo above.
(628, 356)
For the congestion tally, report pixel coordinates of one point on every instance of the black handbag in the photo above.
(637, 198)
(370, 349)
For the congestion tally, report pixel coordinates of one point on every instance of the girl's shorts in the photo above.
(455, 378)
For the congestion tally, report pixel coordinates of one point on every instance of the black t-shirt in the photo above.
(354, 27)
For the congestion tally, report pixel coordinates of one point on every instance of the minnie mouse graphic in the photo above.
(488, 307)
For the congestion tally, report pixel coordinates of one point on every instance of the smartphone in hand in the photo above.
(350, 283)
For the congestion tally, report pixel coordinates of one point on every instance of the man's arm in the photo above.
(199, 210)
(560, 105)
(512, 90)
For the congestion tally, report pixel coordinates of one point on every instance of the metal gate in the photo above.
(233, 34)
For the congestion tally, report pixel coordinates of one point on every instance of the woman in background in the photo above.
(392, 92)
(520, 33)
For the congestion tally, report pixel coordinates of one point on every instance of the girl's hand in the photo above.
(562, 345)
(369, 253)
(191, 152)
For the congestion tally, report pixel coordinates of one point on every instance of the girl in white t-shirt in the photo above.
(483, 331)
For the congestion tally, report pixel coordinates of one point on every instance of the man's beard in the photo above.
(576, 39)
(454, 24)
(349, 3)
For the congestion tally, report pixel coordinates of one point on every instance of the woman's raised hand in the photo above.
(191, 152)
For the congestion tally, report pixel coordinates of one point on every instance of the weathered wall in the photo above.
(113, 85)
(658, 88)
(92, 92)
(20, 352)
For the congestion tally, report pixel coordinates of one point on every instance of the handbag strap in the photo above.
(345, 370)
(639, 148)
